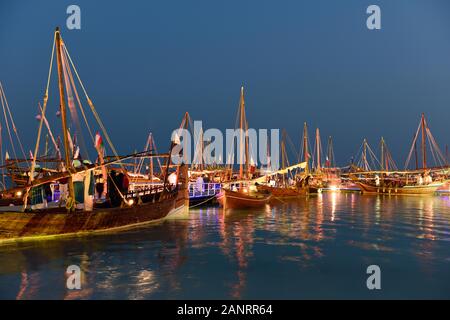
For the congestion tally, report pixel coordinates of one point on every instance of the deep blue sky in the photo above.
(145, 63)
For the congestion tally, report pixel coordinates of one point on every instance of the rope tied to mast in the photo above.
(38, 139)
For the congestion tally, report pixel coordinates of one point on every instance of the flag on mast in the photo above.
(98, 142)
(70, 141)
(176, 139)
(76, 153)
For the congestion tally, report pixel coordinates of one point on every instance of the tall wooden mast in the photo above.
(330, 160)
(284, 156)
(366, 164)
(242, 140)
(424, 151)
(284, 162)
(247, 150)
(151, 159)
(415, 153)
(446, 155)
(305, 147)
(318, 150)
(62, 100)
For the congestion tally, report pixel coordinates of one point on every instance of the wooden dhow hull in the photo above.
(18, 226)
(57, 222)
(239, 200)
(405, 190)
(280, 192)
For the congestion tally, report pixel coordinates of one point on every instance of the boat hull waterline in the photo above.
(239, 200)
(406, 190)
(283, 193)
(18, 227)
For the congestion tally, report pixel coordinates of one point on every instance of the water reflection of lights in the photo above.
(427, 218)
(378, 209)
(294, 234)
(29, 285)
(352, 202)
(146, 284)
(237, 233)
(333, 205)
(318, 229)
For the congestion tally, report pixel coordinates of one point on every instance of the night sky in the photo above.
(145, 63)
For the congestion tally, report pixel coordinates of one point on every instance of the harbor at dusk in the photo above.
(153, 151)
(311, 248)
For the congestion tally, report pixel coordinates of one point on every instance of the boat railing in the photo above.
(197, 190)
(145, 190)
(136, 186)
(400, 181)
(153, 189)
(239, 185)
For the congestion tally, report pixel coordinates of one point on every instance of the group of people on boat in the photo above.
(397, 180)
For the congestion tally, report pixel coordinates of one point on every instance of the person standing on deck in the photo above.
(199, 184)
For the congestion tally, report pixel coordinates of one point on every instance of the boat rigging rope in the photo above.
(362, 161)
(150, 145)
(91, 105)
(14, 126)
(96, 116)
(8, 129)
(302, 155)
(388, 161)
(413, 145)
(138, 167)
(435, 148)
(4, 104)
(76, 94)
(291, 145)
(1, 158)
(72, 106)
(374, 158)
(199, 204)
(50, 132)
(433, 151)
(38, 139)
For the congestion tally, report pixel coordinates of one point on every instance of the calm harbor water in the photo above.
(317, 247)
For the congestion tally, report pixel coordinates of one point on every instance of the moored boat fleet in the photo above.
(61, 187)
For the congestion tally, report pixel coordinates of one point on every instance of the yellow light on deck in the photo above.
(334, 188)
(130, 202)
(18, 193)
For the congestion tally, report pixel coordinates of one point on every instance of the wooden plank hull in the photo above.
(279, 192)
(313, 189)
(239, 200)
(57, 222)
(405, 190)
(30, 226)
